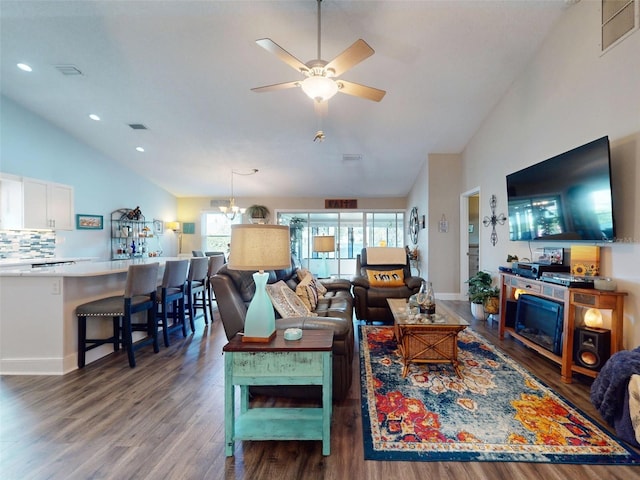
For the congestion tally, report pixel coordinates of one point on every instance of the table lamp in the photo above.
(259, 247)
(593, 318)
(324, 244)
(175, 226)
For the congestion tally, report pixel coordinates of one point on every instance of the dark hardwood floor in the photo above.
(165, 420)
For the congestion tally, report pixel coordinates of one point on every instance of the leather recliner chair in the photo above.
(234, 290)
(371, 301)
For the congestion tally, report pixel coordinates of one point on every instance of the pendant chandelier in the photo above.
(232, 209)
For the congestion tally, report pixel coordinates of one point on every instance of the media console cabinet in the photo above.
(572, 298)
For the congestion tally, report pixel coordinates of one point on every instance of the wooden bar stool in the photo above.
(215, 262)
(196, 284)
(139, 296)
(171, 296)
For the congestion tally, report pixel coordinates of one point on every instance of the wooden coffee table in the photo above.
(426, 338)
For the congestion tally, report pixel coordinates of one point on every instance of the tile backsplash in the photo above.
(27, 243)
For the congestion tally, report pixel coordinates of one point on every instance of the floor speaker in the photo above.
(592, 347)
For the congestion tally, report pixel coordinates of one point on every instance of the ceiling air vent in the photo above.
(619, 20)
(352, 157)
(68, 69)
(138, 126)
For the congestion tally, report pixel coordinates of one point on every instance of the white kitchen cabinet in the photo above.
(10, 202)
(47, 205)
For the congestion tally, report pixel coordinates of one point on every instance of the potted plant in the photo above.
(483, 297)
(258, 214)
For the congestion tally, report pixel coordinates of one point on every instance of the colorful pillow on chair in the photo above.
(286, 302)
(386, 278)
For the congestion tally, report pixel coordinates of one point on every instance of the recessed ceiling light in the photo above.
(24, 67)
(139, 149)
(95, 117)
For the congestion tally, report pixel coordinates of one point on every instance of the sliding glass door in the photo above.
(352, 231)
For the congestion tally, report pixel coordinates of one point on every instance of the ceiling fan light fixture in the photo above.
(319, 88)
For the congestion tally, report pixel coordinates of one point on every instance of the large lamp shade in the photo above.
(259, 248)
(324, 244)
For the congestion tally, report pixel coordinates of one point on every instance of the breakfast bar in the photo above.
(38, 325)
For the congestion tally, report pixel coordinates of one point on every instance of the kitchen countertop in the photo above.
(27, 262)
(81, 269)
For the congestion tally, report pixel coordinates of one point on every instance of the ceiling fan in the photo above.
(321, 82)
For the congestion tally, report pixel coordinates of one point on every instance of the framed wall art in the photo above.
(89, 222)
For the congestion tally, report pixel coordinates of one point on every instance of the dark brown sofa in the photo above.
(234, 290)
(371, 301)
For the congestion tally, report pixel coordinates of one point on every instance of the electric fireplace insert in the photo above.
(540, 320)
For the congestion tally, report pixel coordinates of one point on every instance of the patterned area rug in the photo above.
(496, 412)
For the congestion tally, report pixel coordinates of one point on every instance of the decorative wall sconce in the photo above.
(494, 219)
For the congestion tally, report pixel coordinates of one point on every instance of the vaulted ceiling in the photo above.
(184, 69)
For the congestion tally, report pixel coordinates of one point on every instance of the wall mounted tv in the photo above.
(567, 197)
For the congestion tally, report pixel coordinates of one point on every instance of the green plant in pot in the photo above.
(484, 298)
(258, 214)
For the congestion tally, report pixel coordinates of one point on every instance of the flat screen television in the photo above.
(567, 197)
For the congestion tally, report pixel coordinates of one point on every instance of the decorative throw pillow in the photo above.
(303, 272)
(308, 292)
(386, 278)
(286, 302)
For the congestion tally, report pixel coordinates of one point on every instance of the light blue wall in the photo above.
(32, 147)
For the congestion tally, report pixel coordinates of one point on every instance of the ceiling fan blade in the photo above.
(363, 91)
(277, 86)
(353, 55)
(272, 47)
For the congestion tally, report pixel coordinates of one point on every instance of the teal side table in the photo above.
(307, 361)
